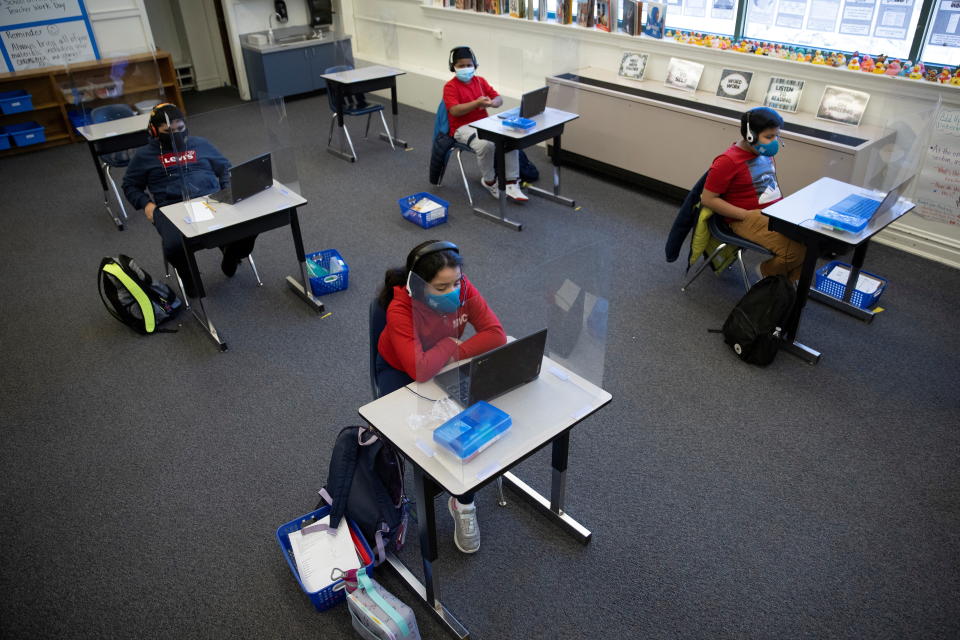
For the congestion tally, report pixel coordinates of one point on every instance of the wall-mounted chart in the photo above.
(44, 33)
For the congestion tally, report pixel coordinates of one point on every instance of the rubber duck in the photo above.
(893, 68)
(866, 64)
(854, 64)
(931, 75)
(807, 57)
(944, 76)
(840, 60)
(915, 73)
(955, 80)
(905, 69)
(818, 58)
(879, 68)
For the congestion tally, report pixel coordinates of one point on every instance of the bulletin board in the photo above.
(44, 33)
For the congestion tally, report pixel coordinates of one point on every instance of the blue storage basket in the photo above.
(424, 219)
(26, 133)
(15, 101)
(4, 139)
(326, 597)
(836, 289)
(331, 282)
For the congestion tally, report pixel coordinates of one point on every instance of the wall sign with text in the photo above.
(734, 84)
(44, 33)
(633, 65)
(783, 94)
(843, 105)
(683, 74)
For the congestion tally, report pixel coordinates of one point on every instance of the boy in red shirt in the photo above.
(467, 97)
(743, 179)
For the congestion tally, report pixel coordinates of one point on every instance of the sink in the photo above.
(297, 38)
(284, 36)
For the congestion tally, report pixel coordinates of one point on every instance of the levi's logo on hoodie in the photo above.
(173, 158)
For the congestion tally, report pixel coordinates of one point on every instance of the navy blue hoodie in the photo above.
(204, 171)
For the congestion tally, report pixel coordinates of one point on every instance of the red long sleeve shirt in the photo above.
(456, 92)
(419, 341)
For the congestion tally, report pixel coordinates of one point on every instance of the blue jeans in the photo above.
(388, 381)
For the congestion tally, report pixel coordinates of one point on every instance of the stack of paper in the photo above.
(423, 205)
(865, 284)
(317, 553)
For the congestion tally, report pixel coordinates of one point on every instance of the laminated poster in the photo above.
(937, 192)
(734, 84)
(633, 65)
(842, 105)
(683, 74)
(783, 94)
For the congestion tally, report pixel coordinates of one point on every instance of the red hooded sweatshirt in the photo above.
(420, 347)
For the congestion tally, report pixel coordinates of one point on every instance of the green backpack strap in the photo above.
(114, 269)
(371, 590)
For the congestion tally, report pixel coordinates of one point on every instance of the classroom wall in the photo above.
(119, 26)
(168, 30)
(516, 55)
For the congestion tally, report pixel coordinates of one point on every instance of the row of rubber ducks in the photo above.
(880, 65)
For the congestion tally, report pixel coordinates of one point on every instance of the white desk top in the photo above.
(540, 410)
(101, 130)
(373, 72)
(799, 209)
(549, 118)
(268, 201)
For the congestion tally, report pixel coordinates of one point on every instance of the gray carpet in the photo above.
(143, 478)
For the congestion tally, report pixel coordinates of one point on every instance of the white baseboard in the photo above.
(921, 242)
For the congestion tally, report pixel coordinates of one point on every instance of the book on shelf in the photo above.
(515, 9)
(585, 15)
(656, 17)
(603, 15)
(630, 23)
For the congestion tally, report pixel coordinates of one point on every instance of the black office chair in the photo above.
(721, 231)
(361, 109)
(377, 322)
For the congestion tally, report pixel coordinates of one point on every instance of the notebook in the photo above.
(531, 104)
(854, 212)
(495, 372)
(247, 179)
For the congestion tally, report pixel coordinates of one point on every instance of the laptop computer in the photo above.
(495, 372)
(247, 179)
(532, 104)
(854, 212)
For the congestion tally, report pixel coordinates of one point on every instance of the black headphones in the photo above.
(418, 254)
(152, 128)
(472, 56)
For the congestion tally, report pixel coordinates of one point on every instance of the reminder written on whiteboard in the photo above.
(43, 33)
(938, 185)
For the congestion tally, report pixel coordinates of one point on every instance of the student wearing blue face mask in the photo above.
(427, 313)
(743, 179)
(467, 97)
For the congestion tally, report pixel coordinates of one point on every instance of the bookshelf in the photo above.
(143, 77)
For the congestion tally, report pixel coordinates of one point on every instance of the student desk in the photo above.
(549, 125)
(793, 217)
(270, 209)
(543, 413)
(363, 80)
(110, 137)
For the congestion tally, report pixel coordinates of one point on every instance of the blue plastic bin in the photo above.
(322, 281)
(326, 597)
(79, 118)
(15, 101)
(26, 133)
(836, 289)
(424, 219)
(4, 139)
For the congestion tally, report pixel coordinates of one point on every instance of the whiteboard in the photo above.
(14, 12)
(44, 33)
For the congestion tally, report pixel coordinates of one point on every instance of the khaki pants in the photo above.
(484, 149)
(787, 254)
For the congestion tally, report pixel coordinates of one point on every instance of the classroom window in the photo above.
(942, 44)
(869, 26)
(704, 16)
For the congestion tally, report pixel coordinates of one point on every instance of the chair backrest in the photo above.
(377, 322)
(110, 112)
(336, 69)
(441, 124)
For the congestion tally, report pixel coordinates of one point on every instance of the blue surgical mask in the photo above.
(446, 303)
(465, 74)
(769, 149)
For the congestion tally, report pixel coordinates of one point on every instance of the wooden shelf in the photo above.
(45, 86)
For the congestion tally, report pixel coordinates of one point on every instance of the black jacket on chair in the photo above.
(685, 221)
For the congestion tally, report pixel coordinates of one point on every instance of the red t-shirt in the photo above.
(417, 339)
(744, 179)
(456, 92)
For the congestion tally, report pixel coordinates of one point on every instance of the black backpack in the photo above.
(365, 483)
(753, 327)
(133, 297)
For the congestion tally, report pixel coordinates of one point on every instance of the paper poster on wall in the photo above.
(695, 8)
(633, 65)
(721, 9)
(760, 12)
(857, 17)
(734, 84)
(783, 94)
(42, 33)
(945, 30)
(683, 74)
(937, 192)
(823, 15)
(893, 19)
(842, 105)
(790, 13)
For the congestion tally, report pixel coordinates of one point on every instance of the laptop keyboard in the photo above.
(459, 391)
(509, 113)
(856, 206)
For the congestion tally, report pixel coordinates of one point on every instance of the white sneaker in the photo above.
(466, 530)
(514, 192)
(492, 188)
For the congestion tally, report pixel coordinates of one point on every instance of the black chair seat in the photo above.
(720, 230)
(362, 111)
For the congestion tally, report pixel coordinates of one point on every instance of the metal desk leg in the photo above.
(789, 343)
(555, 195)
(428, 593)
(202, 317)
(553, 508)
(844, 305)
(338, 101)
(103, 184)
(393, 104)
(500, 167)
(301, 288)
